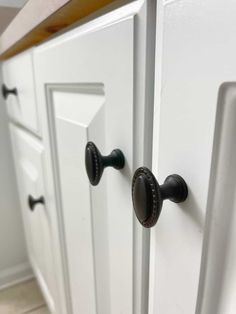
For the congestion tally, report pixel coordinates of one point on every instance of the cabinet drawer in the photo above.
(28, 153)
(18, 74)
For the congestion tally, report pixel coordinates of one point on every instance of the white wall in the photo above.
(6, 16)
(12, 3)
(14, 264)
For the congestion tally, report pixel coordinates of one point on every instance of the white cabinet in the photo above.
(28, 153)
(88, 84)
(19, 90)
(95, 83)
(193, 256)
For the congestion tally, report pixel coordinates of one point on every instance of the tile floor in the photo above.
(23, 298)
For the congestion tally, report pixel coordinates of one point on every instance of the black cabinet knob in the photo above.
(7, 91)
(95, 162)
(32, 202)
(148, 195)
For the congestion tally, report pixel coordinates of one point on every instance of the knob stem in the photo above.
(115, 159)
(174, 189)
(32, 202)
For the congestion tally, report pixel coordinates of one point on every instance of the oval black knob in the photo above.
(7, 91)
(95, 162)
(148, 195)
(32, 202)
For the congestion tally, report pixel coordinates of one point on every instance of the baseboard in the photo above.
(44, 288)
(14, 275)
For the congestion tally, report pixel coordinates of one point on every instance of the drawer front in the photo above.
(18, 74)
(28, 154)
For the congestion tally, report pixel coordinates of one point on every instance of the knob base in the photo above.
(174, 188)
(116, 160)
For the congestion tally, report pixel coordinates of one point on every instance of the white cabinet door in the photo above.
(88, 83)
(192, 252)
(28, 153)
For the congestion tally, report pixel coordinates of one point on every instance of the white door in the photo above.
(192, 252)
(28, 153)
(91, 83)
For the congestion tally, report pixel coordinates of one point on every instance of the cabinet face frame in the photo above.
(143, 15)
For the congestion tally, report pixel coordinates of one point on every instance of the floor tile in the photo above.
(42, 310)
(21, 298)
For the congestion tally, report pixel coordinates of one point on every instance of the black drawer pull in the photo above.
(32, 202)
(148, 195)
(95, 163)
(7, 91)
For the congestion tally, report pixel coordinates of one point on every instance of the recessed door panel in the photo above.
(218, 262)
(76, 112)
(97, 237)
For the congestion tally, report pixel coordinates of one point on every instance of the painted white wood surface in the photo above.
(14, 265)
(28, 153)
(198, 56)
(79, 117)
(12, 3)
(18, 73)
(86, 85)
(217, 288)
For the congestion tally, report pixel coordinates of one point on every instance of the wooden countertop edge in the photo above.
(37, 22)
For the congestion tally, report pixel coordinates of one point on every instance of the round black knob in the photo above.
(95, 162)
(32, 202)
(6, 91)
(148, 195)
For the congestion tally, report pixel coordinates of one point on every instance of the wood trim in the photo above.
(36, 22)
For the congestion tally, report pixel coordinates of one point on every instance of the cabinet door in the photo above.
(28, 154)
(193, 256)
(86, 86)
